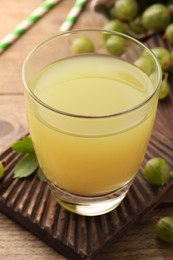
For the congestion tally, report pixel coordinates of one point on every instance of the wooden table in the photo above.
(16, 243)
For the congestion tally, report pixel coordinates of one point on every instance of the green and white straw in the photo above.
(26, 24)
(73, 15)
(10, 38)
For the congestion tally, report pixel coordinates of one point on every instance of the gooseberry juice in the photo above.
(80, 147)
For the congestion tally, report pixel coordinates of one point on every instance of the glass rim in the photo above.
(127, 111)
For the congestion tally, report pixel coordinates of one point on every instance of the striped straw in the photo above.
(73, 15)
(26, 24)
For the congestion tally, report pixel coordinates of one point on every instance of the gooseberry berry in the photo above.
(169, 33)
(164, 58)
(114, 25)
(126, 9)
(136, 26)
(164, 229)
(156, 17)
(145, 64)
(157, 171)
(82, 45)
(115, 45)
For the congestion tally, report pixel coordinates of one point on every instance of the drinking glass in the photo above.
(91, 109)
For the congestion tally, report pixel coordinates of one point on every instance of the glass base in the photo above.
(89, 206)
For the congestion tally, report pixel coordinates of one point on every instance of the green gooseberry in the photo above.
(156, 17)
(164, 88)
(164, 229)
(157, 171)
(115, 45)
(126, 9)
(164, 58)
(145, 64)
(136, 26)
(82, 45)
(114, 25)
(169, 33)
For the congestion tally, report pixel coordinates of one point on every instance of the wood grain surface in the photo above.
(140, 241)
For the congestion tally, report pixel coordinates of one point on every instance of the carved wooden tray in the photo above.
(30, 203)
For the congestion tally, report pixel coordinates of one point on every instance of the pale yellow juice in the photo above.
(86, 154)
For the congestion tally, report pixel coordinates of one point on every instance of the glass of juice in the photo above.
(91, 105)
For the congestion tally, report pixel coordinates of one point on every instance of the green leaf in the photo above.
(24, 146)
(26, 166)
(1, 170)
(40, 175)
